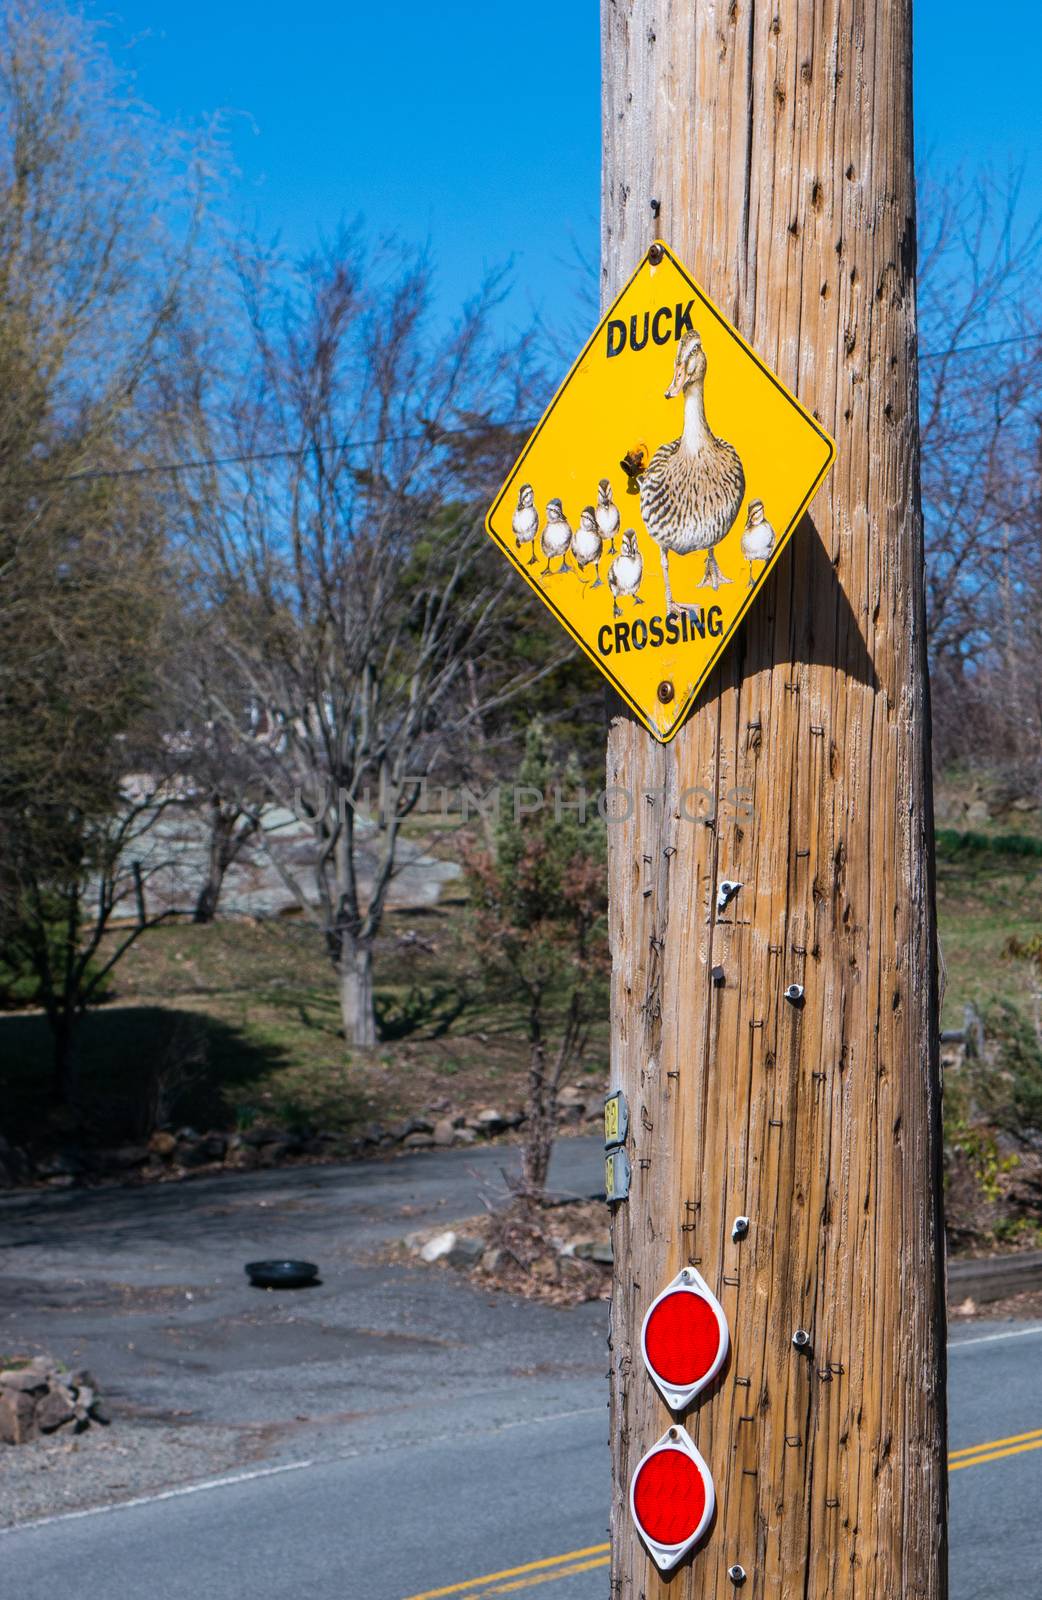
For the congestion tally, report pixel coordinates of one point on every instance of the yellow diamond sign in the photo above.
(658, 490)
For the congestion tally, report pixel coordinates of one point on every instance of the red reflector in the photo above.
(682, 1338)
(669, 1497)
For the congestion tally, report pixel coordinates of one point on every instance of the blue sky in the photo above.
(475, 126)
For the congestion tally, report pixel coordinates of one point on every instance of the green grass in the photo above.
(238, 1022)
(989, 891)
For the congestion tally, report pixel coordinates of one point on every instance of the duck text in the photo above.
(667, 323)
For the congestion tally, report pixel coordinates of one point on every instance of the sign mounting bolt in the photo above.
(794, 994)
(801, 1340)
(739, 1228)
(736, 1575)
(655, 255)
(666, 691)
(726, 890)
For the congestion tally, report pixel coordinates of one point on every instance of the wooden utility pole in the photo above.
(770, 143)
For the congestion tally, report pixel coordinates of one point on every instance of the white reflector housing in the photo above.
(684, 1338)
(672, 1497)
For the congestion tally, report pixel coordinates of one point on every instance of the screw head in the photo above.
(801, 1339)
(794, 993)
(736, 1575)
(666, 691)
(740, 1228)
(717, 975)
(655, 254)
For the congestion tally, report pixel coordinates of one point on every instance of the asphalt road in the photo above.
(479, 1452)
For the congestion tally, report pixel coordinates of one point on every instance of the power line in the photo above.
(433, 435)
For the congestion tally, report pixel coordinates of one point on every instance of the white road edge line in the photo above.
(271, 1472)
(165, 1494)
(299, 1466)
(993, 1338)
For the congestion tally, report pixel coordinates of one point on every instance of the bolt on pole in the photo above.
(779, 1054)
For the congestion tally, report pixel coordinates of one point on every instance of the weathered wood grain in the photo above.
(774, 136)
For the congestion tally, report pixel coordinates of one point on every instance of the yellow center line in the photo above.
(994, 1444)
(541, 1577)
(550, 1568)
(469, 1585)
(993, 1455)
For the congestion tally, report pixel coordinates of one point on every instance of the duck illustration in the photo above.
(692, 488)
(757, 537)
(626, 572)
(588, 545)
(526, 521)
(607, 514)
(557, 538)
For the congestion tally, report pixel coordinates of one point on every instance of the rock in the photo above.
(444, 1132)
(187, 1134)
(544, 1269)
(465, 1136)
(402, 1130)
(54, 1411)
(63, 1164)
(25, 1380)
(81, 1378)
(438, 1247)
(17, 1417)
(277, 1150)
(594, 1250)
(489, 1121)
(196, 1155)
(99, 1412)
(418, 1141)
(263, 1134)
(439, 1105)
(572, 1113)
(244, 1158)
(571, 1095)
(466, 1252)
(128, 1156)
(492, 1260)
(162, 1144)
(14, 1165)
(372, 1133)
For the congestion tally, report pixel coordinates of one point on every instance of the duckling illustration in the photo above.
(626, 572)
(607, 514)
(757, 537)
(557, 539)
(692, 488)
(588, 545)
(526, 521)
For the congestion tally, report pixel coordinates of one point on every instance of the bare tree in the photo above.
(980, 336)
(98, 216)
(344, 560)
